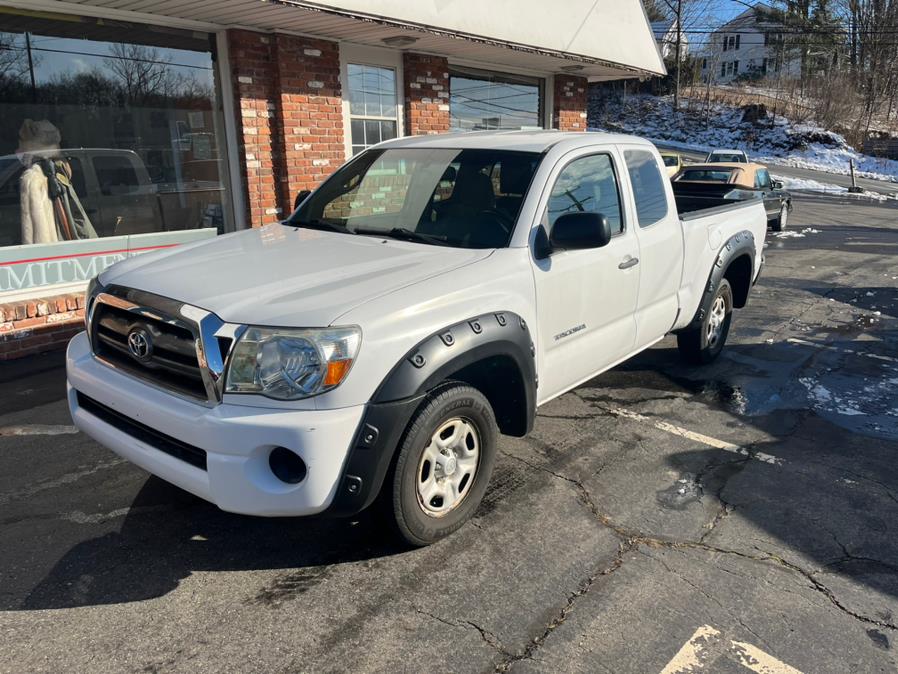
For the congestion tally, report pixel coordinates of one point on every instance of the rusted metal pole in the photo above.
(854, 189)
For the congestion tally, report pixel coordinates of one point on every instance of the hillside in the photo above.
(776, 141)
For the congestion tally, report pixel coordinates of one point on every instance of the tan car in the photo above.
(699, 183)
(672, 162)
(749, 176)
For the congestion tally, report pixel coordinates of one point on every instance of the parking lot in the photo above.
(734, 518)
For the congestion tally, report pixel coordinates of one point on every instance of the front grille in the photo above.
(173, 363)
(150, 436)
(184, 348)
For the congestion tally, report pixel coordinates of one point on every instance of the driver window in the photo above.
(586, 185)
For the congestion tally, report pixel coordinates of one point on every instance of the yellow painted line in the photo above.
(758, 661)
(707, 645)
(695, 653)
(662, 425)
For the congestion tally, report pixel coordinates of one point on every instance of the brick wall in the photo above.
(569, 103)
(426, 94)
(34, 326)
(253, 80)
(290, 120)
(309, 113)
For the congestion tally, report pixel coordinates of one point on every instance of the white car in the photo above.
(427, 297)
(726, 157)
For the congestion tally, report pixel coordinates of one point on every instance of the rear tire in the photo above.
(782, 219)
(702, 344)
(443, 465)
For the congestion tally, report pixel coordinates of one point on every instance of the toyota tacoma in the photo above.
(426, 298)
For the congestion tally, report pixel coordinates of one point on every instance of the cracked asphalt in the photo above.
(757, 496)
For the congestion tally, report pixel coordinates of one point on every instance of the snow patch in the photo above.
(779, 142)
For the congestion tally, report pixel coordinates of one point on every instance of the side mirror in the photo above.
(300, 197)
(573, 231)
(777, 185)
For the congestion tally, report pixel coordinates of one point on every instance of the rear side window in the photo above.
(116, 175)
(705, 175)
(648, 186)
(587, 185)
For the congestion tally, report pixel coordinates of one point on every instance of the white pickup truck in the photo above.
(427, 297)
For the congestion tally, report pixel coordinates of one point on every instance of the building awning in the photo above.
(597, 39)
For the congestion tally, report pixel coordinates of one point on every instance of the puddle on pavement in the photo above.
(840, 383)
(681, 493)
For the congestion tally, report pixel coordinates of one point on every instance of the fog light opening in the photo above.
(286, 466)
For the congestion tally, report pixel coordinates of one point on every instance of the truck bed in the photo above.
(693, 197)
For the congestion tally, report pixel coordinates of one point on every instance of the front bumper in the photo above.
(237, 440)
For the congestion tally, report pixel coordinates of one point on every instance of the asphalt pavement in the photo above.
(737, 517)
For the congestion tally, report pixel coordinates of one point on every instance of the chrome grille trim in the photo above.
(207, 332)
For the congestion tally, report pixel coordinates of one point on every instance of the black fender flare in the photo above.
(435, 358)
(741, 243)
(406, 386)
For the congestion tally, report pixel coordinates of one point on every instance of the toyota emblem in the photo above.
(139, 344)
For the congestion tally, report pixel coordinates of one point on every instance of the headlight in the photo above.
(288, 364)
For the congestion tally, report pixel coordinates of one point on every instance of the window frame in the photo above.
(375, 57)
(544, 213)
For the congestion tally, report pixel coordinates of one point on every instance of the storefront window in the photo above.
(110, 129)
(372, 105)
(484, 100)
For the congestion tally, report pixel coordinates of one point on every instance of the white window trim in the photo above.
(233, 155)
(370, 56)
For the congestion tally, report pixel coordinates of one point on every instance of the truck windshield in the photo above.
(452, 197)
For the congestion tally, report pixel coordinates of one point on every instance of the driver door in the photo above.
(585, 299)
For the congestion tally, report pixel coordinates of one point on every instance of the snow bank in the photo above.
(784, 143)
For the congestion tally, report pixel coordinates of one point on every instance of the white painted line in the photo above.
(695, 437)
(804, 342)
(707, 645)
(69, 478)
(37, 429)
(79, 517)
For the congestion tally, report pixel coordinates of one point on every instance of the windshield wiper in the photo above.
(404, 234)
(322, 224)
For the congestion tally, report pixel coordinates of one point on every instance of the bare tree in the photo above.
(142, 71)
(13, 58)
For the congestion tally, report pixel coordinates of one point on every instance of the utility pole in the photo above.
(679, 28)
(31, 67)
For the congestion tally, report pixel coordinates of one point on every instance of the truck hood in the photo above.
(283, 276)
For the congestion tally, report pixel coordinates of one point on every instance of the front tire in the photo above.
(443, 464)
(702, 344)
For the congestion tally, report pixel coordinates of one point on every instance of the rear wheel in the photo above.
(781, 221)
(702, 344)
(443, 465)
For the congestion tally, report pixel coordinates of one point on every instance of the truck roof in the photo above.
(538, 140)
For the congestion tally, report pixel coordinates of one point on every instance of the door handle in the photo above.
(629, 262)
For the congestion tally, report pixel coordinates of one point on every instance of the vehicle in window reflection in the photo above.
(119, 194)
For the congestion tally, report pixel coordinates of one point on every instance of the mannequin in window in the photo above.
(51, 210)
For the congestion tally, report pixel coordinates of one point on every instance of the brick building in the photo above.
(171, 120)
